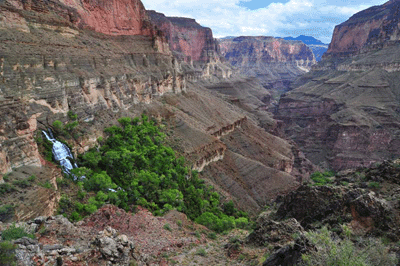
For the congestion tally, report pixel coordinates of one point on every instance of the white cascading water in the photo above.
(61, 153)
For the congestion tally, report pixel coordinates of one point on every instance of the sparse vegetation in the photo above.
(342, 251)
(7, 254)
(14, 232)
(201, 252)
(168, 227)
(322, 179)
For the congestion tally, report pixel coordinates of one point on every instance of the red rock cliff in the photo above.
(375, 26)
(189, 40)
(275, 62)
(344, 113)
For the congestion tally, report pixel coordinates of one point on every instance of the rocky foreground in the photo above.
(357, 208)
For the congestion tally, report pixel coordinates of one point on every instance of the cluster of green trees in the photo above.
(132, 166)
(322, 179)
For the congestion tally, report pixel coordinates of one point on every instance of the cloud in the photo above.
(294, 17)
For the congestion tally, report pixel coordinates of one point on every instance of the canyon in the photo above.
(61, 56)
(275, 62)
(255, 116)
(344, 113)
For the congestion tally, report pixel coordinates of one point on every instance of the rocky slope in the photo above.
(344, 113)
(275, 62)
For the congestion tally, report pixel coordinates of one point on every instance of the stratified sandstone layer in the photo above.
(50, 64)
(275, 62)
(372, 28)
(187, 39)
(344, 114)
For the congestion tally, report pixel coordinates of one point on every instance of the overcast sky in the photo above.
(281, 18)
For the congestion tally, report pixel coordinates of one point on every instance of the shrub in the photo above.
(338, 252)
(6, 212)
(6, 188)
(167, 227)
(14, 232)
(7, 253)
(24, 183)
(374, 185)
(322, 179)
(201, 252)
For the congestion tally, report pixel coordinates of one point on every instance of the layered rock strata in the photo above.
(50, 63)
(192, 44)
(274, 61)
(344, 114)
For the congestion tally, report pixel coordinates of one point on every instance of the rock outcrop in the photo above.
(193, 45)
(108, 237)
(189, 41)
(369, 29)
(274, 61)
(343, 114)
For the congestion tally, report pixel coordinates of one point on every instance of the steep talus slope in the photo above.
(275, 62)
(222, 140)
(344, 113)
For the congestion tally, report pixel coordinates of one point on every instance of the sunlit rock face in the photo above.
(369, 29)
(274, 61)
(344, 113)
(85, 56)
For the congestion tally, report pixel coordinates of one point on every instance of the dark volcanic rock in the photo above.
(320, 205)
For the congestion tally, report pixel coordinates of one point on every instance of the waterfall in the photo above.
(61, 153)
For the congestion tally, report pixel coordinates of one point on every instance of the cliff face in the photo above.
(187, 39)
(366, 30)
(275, 62)
(344, 113)
(51, 64)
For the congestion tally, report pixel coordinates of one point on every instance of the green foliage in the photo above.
(374, 185)
(58, 125)
(338, 252)
(72, 115)
(133, 159)
(212, 235)
(46, 184)
(322, 179)
(201, 252)
(6, 212)
(6, 188)
(167, 227)
(32, 178)
(7, 254)
(24, 183)
(14, 232)
(45, 146)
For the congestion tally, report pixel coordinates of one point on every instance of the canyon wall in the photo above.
(60, 56)
(274, 61)
(193, 45)
(344, 113)
(369, 29)
(50, 64)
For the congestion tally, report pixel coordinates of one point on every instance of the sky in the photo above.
(278, 18)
